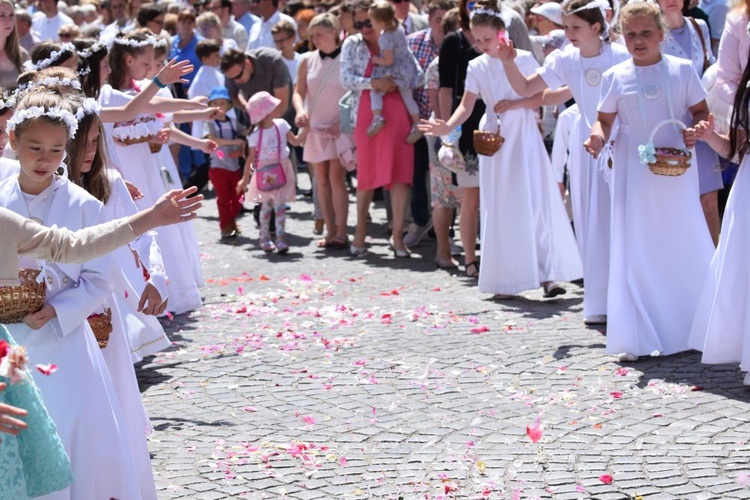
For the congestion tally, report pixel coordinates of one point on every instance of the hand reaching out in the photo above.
(688, 137)
(435, 128)
(151, 302)
(174, 70)
(703, 128)
(135, 193)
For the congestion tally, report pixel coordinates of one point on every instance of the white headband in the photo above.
(53, 57)
(8, 101)
(89, 107)
(595, 4)
(33, 112)
(486, 12)
(150, 40)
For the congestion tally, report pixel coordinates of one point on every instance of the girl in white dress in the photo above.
(722, 323)
(139, 278)
(660, 245)
(526, 236)
(131, 56)
(80, 396)
(580, 66)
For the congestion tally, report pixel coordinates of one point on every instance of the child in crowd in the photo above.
(395, 60)
(207, 78)
(224, 171)
(660, 247)
(720, 328)
(283, 38)
(272, 183)
(527, 240)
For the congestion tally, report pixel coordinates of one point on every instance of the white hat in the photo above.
(550, 10)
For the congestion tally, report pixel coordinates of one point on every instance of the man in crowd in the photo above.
(231, 29)
(411, 22)
(26, 36)
(48, 21)
(260, 34)
(248, 73)
(243, 15)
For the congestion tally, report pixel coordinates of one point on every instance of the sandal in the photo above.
(336, 243)
(475, 272)
(356, 251)
(445, 265)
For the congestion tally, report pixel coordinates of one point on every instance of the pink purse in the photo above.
(269, 177)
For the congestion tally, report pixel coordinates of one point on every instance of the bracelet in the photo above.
(601, 138)
(158, 83)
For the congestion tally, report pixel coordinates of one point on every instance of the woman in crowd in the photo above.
(384, 160)
(12, 55)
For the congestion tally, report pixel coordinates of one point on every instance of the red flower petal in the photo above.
(47, 369)
(606, 478)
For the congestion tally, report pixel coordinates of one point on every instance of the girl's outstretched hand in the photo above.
(505, 50)
(174, 70)
(175, 206)
(703, 128)
(594, 145)
(436, 128)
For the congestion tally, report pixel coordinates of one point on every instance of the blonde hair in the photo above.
(638, 9)
(383, 12)
(326, 21)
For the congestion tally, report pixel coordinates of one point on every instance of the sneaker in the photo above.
(267, 246)
(281, 245)
(596, 319)
(626, 356)
(236, 228)
(228, 232)
(414, 135)
(375, 125)
(415, 234)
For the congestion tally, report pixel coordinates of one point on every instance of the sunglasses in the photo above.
(399, 1)
(234, 78)
(360, 25)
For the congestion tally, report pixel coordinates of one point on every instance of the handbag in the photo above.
(347, 152)
(269, 177)
(345, 113)
(706, 61)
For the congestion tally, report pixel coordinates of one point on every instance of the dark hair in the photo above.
(150, 11)
(492, 20)
(232, 57)
(186, 15)
(91, 81)
(590, 16)
(117, 53)
(95, 181)
(205, 48)
(451, 21)
(226, 4)
(738, 134)
(283, 27)
(436, 5)
(45, 49)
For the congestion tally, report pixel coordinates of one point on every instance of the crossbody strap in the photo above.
(706, 60)
(322, 86)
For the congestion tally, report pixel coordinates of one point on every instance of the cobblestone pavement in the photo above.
(316, 375)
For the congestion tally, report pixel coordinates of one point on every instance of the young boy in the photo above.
(283, 39)
(208, 77)
(225, 168)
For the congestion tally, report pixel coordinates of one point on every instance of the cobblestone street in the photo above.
(316, 375)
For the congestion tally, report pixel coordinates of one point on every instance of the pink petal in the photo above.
(535, 432)
(249, 408)
(606, 478)
(342, 461)
(47, 369)
(743, 478)
(616, 394)
(479, 329)
(169, 315)
(308, 419)
(126, 294)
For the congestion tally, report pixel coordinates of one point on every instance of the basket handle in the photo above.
(665, 122)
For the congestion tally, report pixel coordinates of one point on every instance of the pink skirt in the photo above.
(385, 158)
(284, 194)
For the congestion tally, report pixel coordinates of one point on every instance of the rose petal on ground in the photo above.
(606, 478)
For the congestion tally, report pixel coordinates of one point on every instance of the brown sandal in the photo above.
(472, 274)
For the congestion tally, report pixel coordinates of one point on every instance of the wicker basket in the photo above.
(131, 141)
(101, 324)
(670, 161)
(488, 143)
(155, 147)
(16, 302)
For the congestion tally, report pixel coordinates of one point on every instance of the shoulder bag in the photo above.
(269, 177)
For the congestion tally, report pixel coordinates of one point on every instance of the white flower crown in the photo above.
(95, 47)
(85, 70)
(34, 112)
(89, 107)
(53, 57)
(150, 40)
(602, 5)
(486, 12)
(8, 100)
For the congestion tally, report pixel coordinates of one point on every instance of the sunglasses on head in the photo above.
(360, 25)
(399, 1)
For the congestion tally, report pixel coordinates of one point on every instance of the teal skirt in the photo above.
(34, 463)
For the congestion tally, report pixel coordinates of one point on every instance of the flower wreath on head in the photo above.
(150, 40)
(90, 106)
(7, 101)
(53, 57)
(48, 82)
(486, 12)
(95, 47)
(603, 6)
(34, 112)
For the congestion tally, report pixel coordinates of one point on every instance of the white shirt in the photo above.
(260, 33)
(205, 80)
(291, 65)
(47, 27)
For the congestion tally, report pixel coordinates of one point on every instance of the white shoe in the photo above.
(747, 379)
(415, 234)
(596, 319)
(626, 356)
